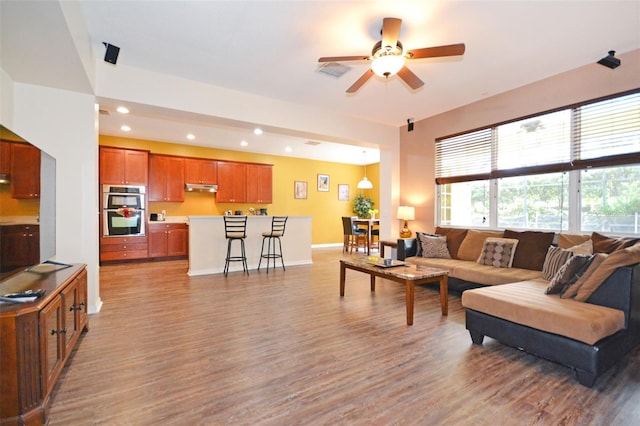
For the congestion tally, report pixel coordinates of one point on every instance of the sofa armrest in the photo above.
(407, 247)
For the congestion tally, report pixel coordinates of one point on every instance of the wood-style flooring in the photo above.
(284, 349)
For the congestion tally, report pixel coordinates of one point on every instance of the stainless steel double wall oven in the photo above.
(123, 210)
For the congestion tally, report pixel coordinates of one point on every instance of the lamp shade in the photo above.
(406, 212)
(387, 65)
(365, 184)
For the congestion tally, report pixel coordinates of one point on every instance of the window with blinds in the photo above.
(597, 134)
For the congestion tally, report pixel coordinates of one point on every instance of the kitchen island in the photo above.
(208, 245)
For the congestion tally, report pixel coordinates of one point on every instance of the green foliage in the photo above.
(362, 205)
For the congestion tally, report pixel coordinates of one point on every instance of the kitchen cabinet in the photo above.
(259, 183)
(232, 182)
(123, 166)
(20, 245)
(38, 339)
(167, 239)
(123, 248)
(5, 157)
(166, 178)
(202, 171)
(25, 171)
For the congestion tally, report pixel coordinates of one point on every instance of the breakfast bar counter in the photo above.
(208, 245)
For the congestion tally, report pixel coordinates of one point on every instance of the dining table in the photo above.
(369, 224)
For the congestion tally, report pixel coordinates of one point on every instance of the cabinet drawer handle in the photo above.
(54, 332)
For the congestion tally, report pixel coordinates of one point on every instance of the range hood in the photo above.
(200, 187)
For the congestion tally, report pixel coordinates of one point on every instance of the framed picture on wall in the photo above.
(300, 190)
(343, 192)
(323, 183)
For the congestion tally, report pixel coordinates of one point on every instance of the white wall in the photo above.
(64, 124)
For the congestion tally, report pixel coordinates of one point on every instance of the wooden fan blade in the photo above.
(362, 80)
(342, 58)
(390, 31)
(410, 78)
(437, 51)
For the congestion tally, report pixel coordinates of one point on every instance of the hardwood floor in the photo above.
(283, 348)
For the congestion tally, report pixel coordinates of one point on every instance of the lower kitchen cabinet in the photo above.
(167, 239)
(123, 248)
(38, 338)
(19, 245)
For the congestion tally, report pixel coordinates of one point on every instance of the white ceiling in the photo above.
(270, 49)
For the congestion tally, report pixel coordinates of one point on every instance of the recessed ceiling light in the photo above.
(191, 136)
(288, 149)
(257, 131)
(244, 143)
(125, 128)
(123, 110)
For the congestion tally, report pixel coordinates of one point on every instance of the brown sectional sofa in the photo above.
(588, 333)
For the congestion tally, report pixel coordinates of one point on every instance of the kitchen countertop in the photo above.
(172, 219)
(19, 220)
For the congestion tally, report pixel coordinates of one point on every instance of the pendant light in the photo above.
(365, 183)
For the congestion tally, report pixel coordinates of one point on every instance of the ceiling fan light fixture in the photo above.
(387, 65)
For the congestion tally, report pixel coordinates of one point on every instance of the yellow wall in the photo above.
(324, 207)
(16, 207)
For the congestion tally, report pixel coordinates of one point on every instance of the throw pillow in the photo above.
(498, 252)
(454, 239)
(472, 244)
(532, 248)
(555, 259)
(567, 273)
(604, 244)
(419, 247)
(584, 249)
(570, 291)
(434, 246)
(623, 257)
(570, 240)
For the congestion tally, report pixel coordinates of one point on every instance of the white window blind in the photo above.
(596, 134)
(465, 157)
(608, 128)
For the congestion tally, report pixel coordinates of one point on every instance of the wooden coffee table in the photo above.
(410, 275)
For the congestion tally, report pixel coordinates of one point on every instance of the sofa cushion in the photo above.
(604, 244)
(532, 248)
(525, 303)
(476, 273)
(434, 246)
(570, 240)
(454, 239)
(418, 234)
(567, 273)
(472, 244)
(623, 257)
(585, 249)
(572, 288)
(498, 252)
(555, 259)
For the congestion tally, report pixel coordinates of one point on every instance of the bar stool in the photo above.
(277, 230)
(235, 229)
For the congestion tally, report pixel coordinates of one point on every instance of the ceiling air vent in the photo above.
(312, 143)
(104, 112)
(333, 69)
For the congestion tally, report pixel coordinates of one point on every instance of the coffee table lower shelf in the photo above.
(409, 275)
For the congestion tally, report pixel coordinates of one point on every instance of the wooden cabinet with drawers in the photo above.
(19, 246)
(259, 183)
(232, 182)
(202, 171)
(123, 248)
(37, 340)
(25, 171)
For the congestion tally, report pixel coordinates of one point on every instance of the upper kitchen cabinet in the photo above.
(123, 166)
(200, 171)
(166, 178)
(232, 182)
(25, 171)
(259, 183)
(5, 158)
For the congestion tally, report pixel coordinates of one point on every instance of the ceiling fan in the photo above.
(388, 56)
